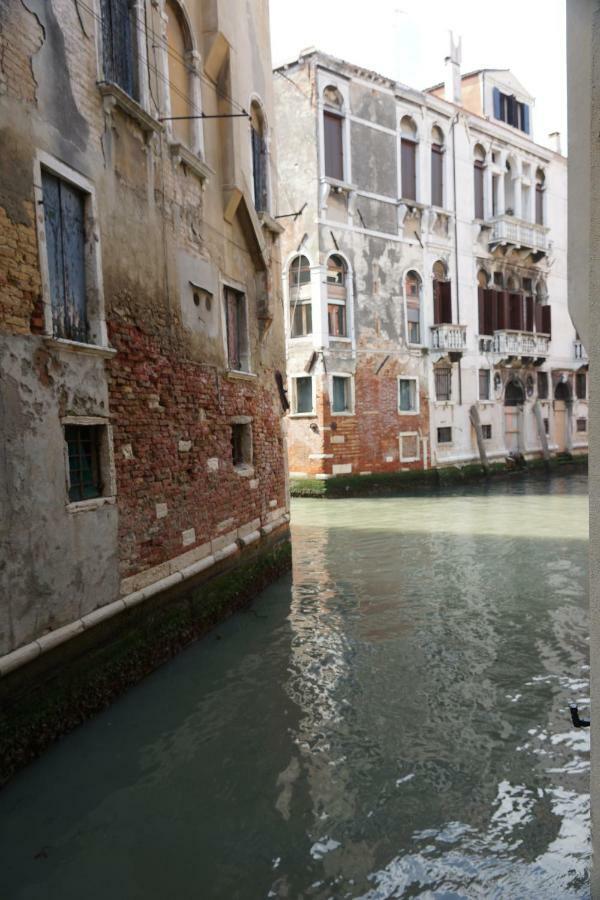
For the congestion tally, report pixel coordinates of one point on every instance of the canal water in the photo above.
(392, 722)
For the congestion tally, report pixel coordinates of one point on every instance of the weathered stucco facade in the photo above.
(142, 362)
(441, 230)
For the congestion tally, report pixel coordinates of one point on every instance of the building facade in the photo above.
(141, 325)
(424, 273)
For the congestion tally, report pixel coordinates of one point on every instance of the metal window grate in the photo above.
(83, 445)
(443, 383)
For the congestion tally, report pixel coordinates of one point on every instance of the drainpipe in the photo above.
(454, 121)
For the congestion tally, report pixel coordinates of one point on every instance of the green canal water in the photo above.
(391, 722)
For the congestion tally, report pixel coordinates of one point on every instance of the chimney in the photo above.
(452, 84)
(555, 142)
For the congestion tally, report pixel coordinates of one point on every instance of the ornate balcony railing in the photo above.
(521, 343)
(579, 351)
(508, 230)
(449, 337)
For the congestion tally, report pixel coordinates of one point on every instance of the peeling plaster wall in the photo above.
(160, 228)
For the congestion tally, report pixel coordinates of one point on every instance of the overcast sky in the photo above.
(408, 40)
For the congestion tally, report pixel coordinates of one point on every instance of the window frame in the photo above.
(578, 377)
(417, 407)
(294, 413)
(444, 428)
(409, 434)
(408, 322)
(97, 337)
(481, 398)
(447, 370)
(105, 462)
(245, 465)
(350, 395)
(303, 302)
(333, 288)
(578, 422)
(228, 286)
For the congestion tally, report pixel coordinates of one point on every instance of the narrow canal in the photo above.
(392, 723)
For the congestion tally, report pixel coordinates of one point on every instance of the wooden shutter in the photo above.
(479, 174)
(233, 337)
(497, 104)
(528, 313)
(525, 117)
(334, 146)
(502, 305)
(491, 311)
(437, 176)
(65, 240)
(515, 311)
(118, 45)
(446, 302)
(538, 317)
(437, 302)
(547, 320)
(259, 170)
(409, 169)
(481, 308)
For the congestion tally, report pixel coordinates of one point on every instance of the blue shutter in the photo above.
(497, 100)
(525, 108)
(118, 45)
(65, 248)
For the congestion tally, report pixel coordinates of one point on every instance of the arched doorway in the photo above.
(514, 398)
(562, 416)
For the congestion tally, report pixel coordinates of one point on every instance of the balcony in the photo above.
(521, 343)
(579, 352)
(450, 339)
(506, 231)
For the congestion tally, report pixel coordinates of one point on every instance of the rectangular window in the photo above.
(241, 444)
(408, 157)
(581, 385)
(301, 316)
(515, 312)
(443, 383)
(334, 145)
(408, 395)
(84, 447)
(437, 175)
(303, 394)
(479, 172)
(581, 425)
(442, 302)
(484, 384)
(508, 109)
(486, 432)
(547, 426)
(64, 223)
(341, 400)
(409, 446)
(495, 195)
(118, 43)
(259, 170)
(336, 315)
(444, 435)
(237, 330)
(539, 205)
(542, 385)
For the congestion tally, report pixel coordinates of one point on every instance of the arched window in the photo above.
(514, 395)
(333, 133)
(337, 295)
(412, 295)
(479, 181)
(183, 80)
(540, 180)
(260, 169)
(408, 158)
(442, 295)
(300, 298)
(437, 167)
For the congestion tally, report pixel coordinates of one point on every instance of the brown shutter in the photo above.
(479, 171)
(481, 306)
(491, 311)
(502, 302)
(409, 169)
(547, 320)
(437, 302)
(334, 146)
(516, 312)
(437, 175)
(446, 304)
(539, 205)
(232, 330)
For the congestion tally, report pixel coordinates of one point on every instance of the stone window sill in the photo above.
(79, 347)
(267, 221)
(408, 412)
(181, 155)
(88, 505)
(244, 470)
(309, 415)
(234, 375)
(113, 95)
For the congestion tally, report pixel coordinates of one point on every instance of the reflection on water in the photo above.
(392, 724)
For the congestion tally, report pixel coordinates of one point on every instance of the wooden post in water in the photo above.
(541, 430)
(476, 423)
